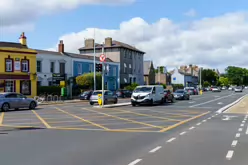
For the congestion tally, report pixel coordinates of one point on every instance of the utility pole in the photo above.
(103, 73)
(200, 78)
(94, 60)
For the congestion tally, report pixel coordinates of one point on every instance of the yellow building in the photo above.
(18, 68)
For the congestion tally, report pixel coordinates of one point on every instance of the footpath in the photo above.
(241, 107)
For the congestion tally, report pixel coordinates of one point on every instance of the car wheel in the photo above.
(91, 103)
(151, 102)
(115, 102)
(133, 104)
(32, 105)
(162, 101)
(188, 98)
(5, 107)
(173, 100)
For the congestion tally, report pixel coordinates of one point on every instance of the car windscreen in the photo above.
(143, 89)
(96, 93)
(179, 91)
(86, 92)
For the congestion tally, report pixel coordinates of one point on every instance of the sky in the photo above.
(207, 33)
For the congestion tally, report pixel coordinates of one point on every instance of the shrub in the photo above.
(50, 90)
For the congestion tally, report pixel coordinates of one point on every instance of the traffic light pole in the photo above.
(103, 71)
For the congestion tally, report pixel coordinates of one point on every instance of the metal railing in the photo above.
(48, 99)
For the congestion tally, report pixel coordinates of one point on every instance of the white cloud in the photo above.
(190, 13)
(22, 12)
(212, 42)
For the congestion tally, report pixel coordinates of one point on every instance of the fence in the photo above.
(48, 99)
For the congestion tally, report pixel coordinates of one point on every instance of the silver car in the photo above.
(109, 97)
(238, 89)
(11, 100)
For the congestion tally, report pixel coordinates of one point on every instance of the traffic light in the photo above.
(98, 67)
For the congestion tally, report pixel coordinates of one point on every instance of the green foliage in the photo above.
(209, 76)
(237, 75)
(131, 87)
(206, 84)
(223, 81)
(48, 90)
(164, 85)
(86, 80)
(177, 86)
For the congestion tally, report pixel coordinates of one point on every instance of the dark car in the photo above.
(85, 95)
(181, 94)
(168, 96)
(124, 93)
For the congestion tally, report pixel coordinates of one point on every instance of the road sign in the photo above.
(102, 57)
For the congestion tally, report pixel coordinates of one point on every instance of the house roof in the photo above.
(180, 71)
(12, 45)
(48, 52)
(115, 44)
(147, 65)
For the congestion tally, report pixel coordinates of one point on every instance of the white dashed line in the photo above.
(237, 135)
(198, 124)
(240, 129)
(213, 116)
(204, 120)
(191, 128)
(241, 125)
(229, 154)
(209, 118)
(170, 140)
(234, 143)
(243, 121)
(135, 162)
(182, 133)
(246, 130)
(155, 149)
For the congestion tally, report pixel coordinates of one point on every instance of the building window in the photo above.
(134, 80)
(130, 55)
(50, 83)
(62, 68)
(38, 83)
(90, 67)
(125, 65)
(38, 66)
(79, 69)
(9, 86)
(25, 87)
(9, 65)
(114, 71)
(52, 67)
(25, 65)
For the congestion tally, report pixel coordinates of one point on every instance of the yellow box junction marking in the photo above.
(41, 119)
(1, 118)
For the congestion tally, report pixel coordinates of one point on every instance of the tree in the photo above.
(224, 81)
(237, 75)
(209, 76)
(86, 80)
(132, 86)
(206, 84)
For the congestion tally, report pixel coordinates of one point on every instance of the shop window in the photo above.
(25, 87)
(9, 65)
(9, 86)
(25, 65)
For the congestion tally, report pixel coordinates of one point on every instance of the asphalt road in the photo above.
(79, 134)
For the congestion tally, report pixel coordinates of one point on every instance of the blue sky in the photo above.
(49, 28)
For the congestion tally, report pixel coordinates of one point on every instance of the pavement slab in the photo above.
(240, 108)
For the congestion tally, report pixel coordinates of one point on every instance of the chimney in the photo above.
(23, 39)
(89, 43)
(108, 42)
(61, 47)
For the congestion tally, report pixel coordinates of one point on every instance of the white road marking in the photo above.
(204, 120)
(170, 140)
(229, 154)
(213, 116)
(198, 124)
(209, 118)
(135, 162)
(220, 103)
(192, 102)
(155, 149)
(191, 128)
(237, 135)
(243, 121)
(246, 130)
(234, 143)
(240, 129)
(242, 125)
(182, 133)
(211, 101)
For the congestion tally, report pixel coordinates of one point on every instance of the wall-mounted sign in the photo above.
(17, 65)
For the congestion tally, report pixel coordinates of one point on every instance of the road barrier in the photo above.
(48, 99)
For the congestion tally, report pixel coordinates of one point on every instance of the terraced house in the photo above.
(18, 68)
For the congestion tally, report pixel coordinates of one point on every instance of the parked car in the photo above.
(216, 89)
(230, 88)
(124, 93)
(238, 89)
(191, 90)
(181, 94)
(85, 95)
(148, 94)
(168, 96)
(12, 100)
(109, 97)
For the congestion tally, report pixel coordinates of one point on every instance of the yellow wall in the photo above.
(32, 66)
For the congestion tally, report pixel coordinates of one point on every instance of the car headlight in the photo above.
(148, 95)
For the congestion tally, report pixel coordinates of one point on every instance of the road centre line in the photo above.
(182, 133)
(191, 128)
(120, 118)
(198, 124)
(171, 139)
(229, 154)
(204, 120)
(234, 143)
(135, 162)
(212, 100)
(183, 122)
(1, 118)
(237, 135)
(243, 121)
(246, 131)
(41, 119)
(155, 149)
(141, 114)
(240, 129)
(87, 121)
(241, 125)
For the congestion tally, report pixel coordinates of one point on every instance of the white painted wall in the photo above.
(179, 78)
(46, 59)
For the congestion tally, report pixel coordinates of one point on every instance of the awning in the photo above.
(14, 77)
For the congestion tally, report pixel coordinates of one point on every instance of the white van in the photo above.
(148, 94)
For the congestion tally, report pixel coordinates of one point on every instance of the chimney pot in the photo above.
(108, 42)
(61, 46)
(89, 43)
